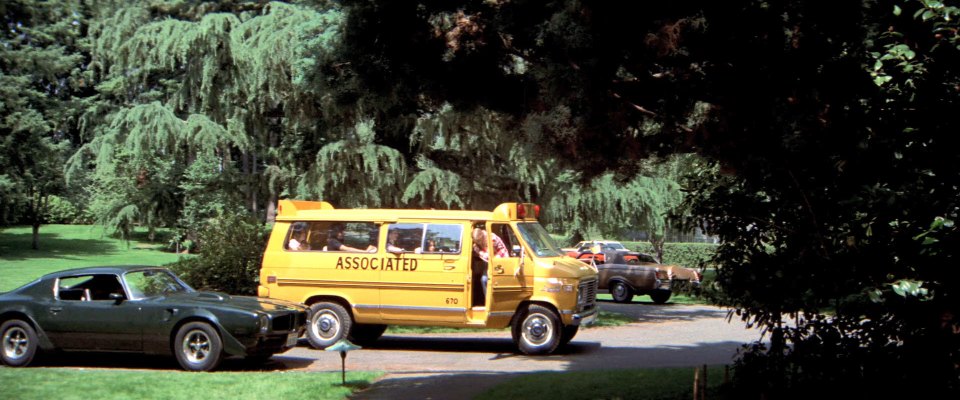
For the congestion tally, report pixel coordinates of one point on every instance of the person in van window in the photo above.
(392, 237)
(335, 241)
(432, 246)
(298, 237)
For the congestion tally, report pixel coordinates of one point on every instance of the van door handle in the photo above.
(498, 269)
(449, 267)
(54, 310)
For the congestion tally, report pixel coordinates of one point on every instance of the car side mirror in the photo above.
(116, 297)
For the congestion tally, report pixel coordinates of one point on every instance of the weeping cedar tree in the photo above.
(832, 125)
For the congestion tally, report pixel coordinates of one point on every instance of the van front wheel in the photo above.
(537, 331)
(329, 322)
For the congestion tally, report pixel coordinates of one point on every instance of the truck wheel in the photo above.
(660, 296)
(329, 322)
(537, 331)
(621, 292)
(567, 334)
(19, 343)
(198, 347)
(364, 334)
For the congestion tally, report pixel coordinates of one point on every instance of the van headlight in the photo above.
(556, 285)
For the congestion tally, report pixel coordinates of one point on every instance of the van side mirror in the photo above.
(516, 250)
(116, 297)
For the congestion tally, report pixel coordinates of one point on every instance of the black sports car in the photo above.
(142, 309)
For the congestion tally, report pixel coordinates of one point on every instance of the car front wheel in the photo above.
(329, 322)
(19, 343)
(620, 292)
(198, 347)
(537, 331)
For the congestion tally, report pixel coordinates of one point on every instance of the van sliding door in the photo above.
(426, 281)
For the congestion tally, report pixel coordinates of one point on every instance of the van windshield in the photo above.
(539, 240)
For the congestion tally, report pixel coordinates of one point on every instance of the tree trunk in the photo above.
(36, 234)
(657, 243)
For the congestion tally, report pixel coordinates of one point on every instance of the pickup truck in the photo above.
(625, 274)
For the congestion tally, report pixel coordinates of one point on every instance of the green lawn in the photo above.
(70, 246)
(69, 384)
(651, 384)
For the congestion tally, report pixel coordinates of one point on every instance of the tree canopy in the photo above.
(814, 138)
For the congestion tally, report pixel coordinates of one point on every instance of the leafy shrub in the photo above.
(690, 255)
(230, 250)
(62, 211)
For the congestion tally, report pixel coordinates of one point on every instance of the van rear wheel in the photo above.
(537, 331)
(329, 322)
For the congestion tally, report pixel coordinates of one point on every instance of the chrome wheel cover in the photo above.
(537, 329)
(15, 343)
(325, 325)
(196, 346)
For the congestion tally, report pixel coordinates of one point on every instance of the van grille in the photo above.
(587, 299)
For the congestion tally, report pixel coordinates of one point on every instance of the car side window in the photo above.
(88, 287)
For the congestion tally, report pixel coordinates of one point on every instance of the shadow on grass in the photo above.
(16, 246)
(97, 360)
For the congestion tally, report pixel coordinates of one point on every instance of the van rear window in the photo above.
(331, 236)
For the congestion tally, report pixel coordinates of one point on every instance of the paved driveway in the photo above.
(461, 365)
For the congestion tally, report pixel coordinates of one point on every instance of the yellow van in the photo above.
(360, 270)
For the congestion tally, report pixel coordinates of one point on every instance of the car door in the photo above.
(83, 315)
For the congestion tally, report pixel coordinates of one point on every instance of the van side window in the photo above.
(404, 237)
(332, 236)
(505, 233)
(442, 238)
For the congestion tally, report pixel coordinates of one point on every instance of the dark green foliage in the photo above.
(63, 211)
(690, 255)
(42, 80)
(230, 249)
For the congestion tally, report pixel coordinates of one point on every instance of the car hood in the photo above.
(245, 302)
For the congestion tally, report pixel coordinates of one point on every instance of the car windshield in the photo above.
(615, 246)
(153, 282)
(539, 240)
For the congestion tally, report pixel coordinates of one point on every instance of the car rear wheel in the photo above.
(364, 334)
(660, 296)
(620, 292)
(329, 322)
(19, 343)
(537, 331)
(198, 347)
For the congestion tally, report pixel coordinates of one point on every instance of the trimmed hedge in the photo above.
(690, 255)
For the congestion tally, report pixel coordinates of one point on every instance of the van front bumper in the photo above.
(583, 318)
